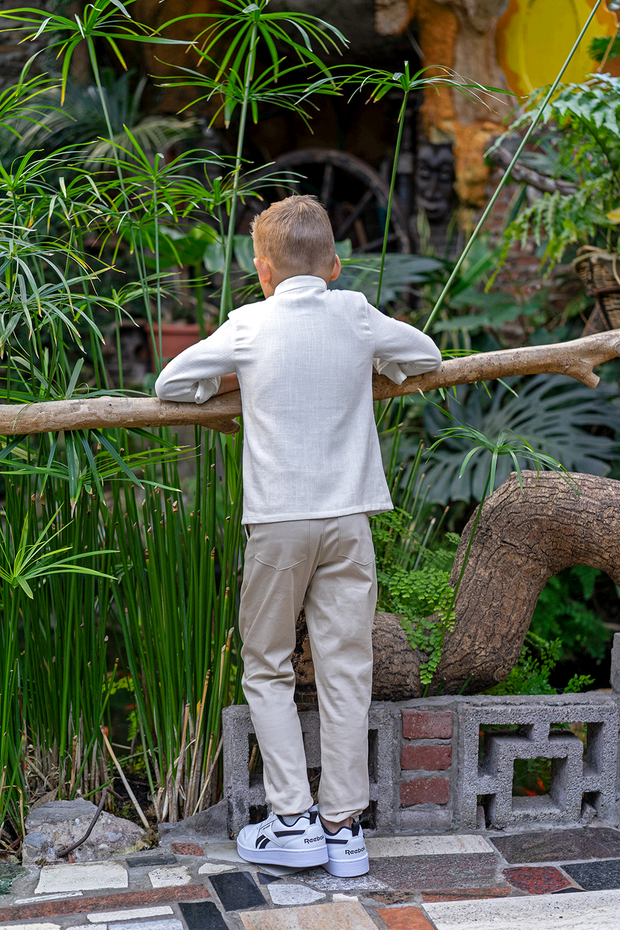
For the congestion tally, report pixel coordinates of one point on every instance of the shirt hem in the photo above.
(370, 509)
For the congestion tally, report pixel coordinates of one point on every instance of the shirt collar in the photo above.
(298, 281)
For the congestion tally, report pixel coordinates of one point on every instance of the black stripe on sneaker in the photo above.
(259, 839)
(330, 839)
(288, 832)
(264, 842)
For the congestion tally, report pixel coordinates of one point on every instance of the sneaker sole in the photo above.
(348, 868)
(296, 858)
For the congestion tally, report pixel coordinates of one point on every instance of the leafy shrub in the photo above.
(531, 673)
(422, 595)
(563, 615)
(550, 412)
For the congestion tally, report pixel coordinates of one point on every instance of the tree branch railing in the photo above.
(576, 359)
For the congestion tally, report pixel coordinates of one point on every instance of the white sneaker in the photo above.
(302, 844)
(347, 854)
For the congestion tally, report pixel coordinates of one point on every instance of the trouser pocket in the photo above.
(280, 545)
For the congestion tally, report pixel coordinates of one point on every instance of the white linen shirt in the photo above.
(304, 360)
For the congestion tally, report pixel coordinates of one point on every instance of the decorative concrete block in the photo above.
(425, 791)
(432, 758)
(614, 675)
(427, 724)
(577, 776)
(384, 762)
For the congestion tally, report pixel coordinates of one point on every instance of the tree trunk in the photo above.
(522, 539)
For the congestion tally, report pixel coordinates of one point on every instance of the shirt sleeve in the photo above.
(195, 375)
(401, 350)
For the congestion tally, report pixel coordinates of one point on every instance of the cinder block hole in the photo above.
(373, 745)
(258, 812)
(539, 784)
(531, 777)
(484, 808)
(368, 818)
(595, 742)
(255, 762)
(590, 802)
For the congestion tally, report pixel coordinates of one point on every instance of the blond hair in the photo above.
(295, 236)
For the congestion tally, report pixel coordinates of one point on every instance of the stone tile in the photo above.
(82, 876)
(214, 868)
(224, 852)
(466, 894)
(280, 871)
(29, 926)
(542, 879)
(323, 881)
(202, 916)
(572, 889)
(559, 845)
(186, 849)
(344, 897)
(382, 847)
(436, 873)
(289, 895)
(79, 905)
(149, 925)
(89, 927)
(149, 862)
(598, 910)
(237, 891)
(135, 913)
(169, 876)
(340, 916)
(59, 896)
(396, 897)
(264, 879)
(404, 918)
(595, 876)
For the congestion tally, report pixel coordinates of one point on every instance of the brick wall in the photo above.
(426, 768)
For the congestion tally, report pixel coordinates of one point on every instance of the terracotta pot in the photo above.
(175, 337)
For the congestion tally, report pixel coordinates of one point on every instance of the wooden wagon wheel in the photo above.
(354, 194)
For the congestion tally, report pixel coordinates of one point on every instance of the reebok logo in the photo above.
(353, 852)
(316, 839)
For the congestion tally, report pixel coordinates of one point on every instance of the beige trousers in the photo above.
(328, 566)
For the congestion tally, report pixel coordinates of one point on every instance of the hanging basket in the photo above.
(600, 275)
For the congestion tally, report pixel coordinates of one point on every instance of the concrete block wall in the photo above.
(427, 774)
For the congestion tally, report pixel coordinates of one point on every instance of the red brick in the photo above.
(427, 724)
(429, 758)
(104, 902)
(425, 791)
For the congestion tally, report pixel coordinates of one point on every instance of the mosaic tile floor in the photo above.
(543, 880)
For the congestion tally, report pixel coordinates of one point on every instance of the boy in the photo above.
(312, 475)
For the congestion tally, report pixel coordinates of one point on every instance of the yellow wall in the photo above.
(534, 38)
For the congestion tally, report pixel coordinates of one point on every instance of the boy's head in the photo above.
(292, 237)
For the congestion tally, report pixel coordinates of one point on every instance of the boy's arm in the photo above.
(196, 374)
(228, 383)
(401, 350)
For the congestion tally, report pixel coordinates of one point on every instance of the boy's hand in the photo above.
(229, 383)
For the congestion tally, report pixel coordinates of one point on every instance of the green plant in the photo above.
(581, 146)
(550, 413)
(564, 614)
(531, 673)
